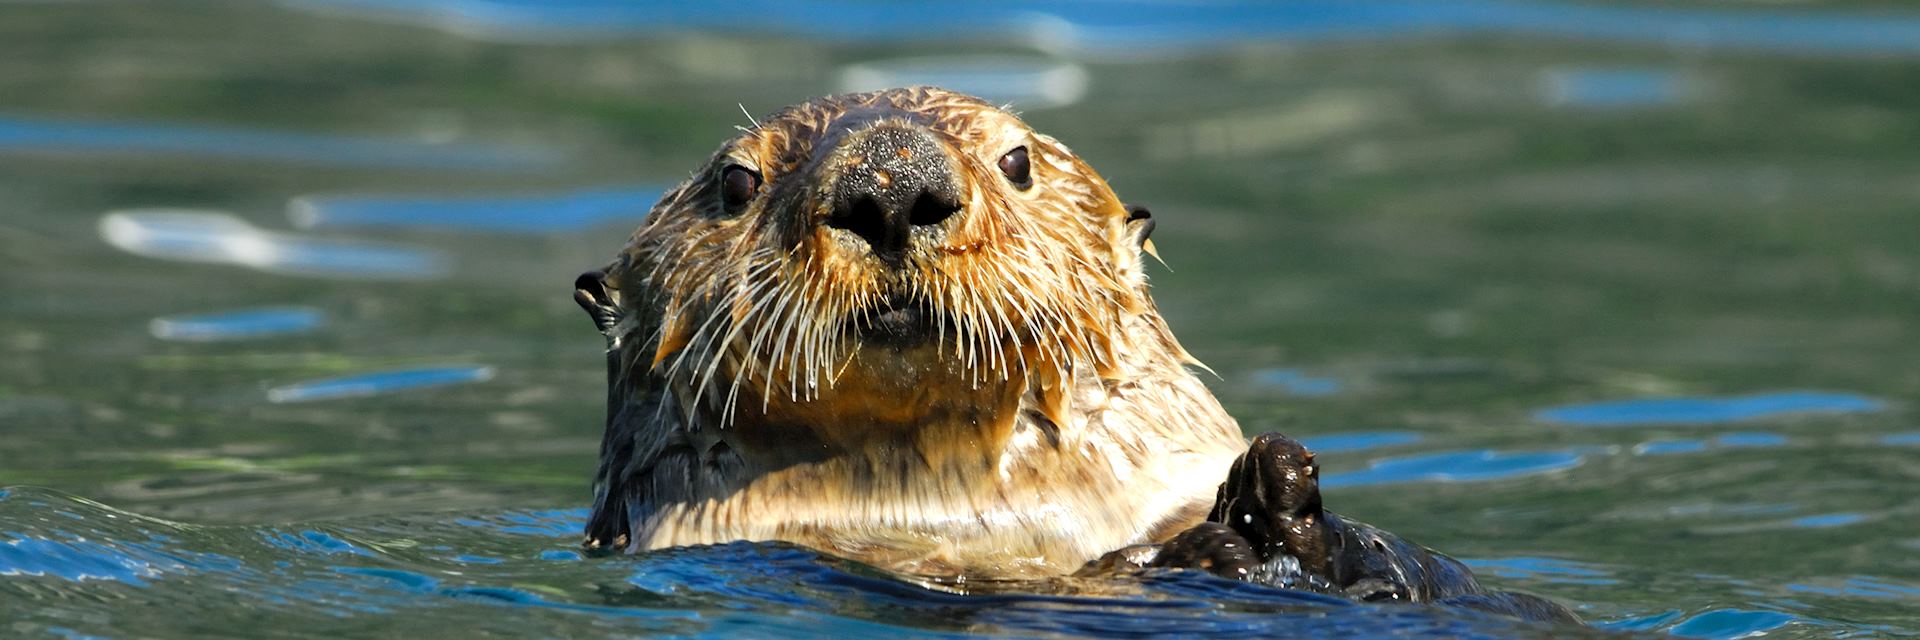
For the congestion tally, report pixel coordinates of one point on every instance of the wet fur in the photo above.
(1053, 419)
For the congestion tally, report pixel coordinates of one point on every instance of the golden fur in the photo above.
(1053, 418)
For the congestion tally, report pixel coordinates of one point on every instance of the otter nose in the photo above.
(895, 178)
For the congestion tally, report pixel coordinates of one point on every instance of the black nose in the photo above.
(895, 178)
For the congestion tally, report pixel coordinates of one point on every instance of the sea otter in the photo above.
(905, 328)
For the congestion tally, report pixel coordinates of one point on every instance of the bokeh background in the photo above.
(1615, 300)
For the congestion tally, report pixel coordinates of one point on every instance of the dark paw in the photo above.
(1272, 498)
(1211, 547)
(1125, 561)
(1377, 590)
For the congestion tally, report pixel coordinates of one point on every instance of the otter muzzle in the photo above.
(893, 178)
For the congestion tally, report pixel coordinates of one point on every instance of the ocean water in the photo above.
(1618, 302)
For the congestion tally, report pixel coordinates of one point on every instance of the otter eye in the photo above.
(1017, 168)
(737, 186)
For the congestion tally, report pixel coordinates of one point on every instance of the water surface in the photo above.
(1614, 301)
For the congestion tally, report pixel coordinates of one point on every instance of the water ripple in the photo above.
(1298, 383)
(79, 560)
(1742, 440)
(241, 144)
(1827, 520)
(1458, 466)
(192, 235)
(240, 324)
(1614, 87)
(379, 383)
(1707, 410)
(1025, 83)
(334, 579)
(1732, 623)
(1543, 570)
(541, 213)
(1909, 439)
(1137, 28)
(1350, 442)
(1862, 586)
(552, 523)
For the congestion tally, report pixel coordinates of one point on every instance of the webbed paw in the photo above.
(1211, 547)
(1272, 498)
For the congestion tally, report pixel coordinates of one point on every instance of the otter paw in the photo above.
(1272, 498)
(1124, 561)
(1377, 590)
(1211, 547)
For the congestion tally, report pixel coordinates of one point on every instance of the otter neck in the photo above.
(935, 417)
(1030, 478)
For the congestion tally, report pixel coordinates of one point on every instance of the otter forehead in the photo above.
(788, 140)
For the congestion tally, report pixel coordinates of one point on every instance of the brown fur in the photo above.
(1053, 419)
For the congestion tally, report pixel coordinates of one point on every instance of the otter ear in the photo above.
(590, 290)
(1140, 222)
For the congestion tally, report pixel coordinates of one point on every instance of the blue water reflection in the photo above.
(1743, 440)
(1902, 439)
(1613, 87)
(1670, 447)
(1350, 442)
(312, 576)
(406, 580)
(1543, 570)
(1025, 83)
(561, 555)
(1867, 587)
(1751, 439)
(242, 324)
(1133, 27)
(312, 541)
(34, 134)
(467, 558)
(552, 523)
(1732, 623)
(211, 236)
(1827, 520)
(542, 213)
(379, 383)
(1707, 410)
(1298, 383)
(1457, 466)
(78, 560)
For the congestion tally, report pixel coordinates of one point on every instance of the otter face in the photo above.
(865, 259)
(904, 327)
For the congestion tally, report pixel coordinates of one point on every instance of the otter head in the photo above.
(899, 271)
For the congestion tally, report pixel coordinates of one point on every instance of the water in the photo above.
(181, 141)
(1614, 301)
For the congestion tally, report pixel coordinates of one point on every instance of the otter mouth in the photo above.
(895, 322)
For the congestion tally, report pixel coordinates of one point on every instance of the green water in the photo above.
(1421, 238)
